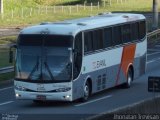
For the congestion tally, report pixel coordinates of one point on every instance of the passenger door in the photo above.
(77, 55)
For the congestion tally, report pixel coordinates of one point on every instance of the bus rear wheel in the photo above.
(129, 78)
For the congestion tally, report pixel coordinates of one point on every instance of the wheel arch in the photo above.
(89, 80)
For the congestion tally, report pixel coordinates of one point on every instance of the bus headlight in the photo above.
(17, 95)
(63, 89)
(67, 97)
(20, 88)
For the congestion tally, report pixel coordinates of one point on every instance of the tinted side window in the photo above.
(97, 39)
(134, 31)
(126, 33)
(117, 39)
(88, 42)
(107, 37)
(142, 29)
(78, 43)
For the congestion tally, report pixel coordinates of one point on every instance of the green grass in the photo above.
(6, 76)
(18, 4)
(4, 57)
(24, 18)
(8, 39)
(4, 62)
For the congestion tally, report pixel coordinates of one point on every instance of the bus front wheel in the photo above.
(86, 91)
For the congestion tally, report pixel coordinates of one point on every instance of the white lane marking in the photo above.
(154, 60)
(153, 53)
(8, 102)
(93, 100)
(153, 50)
(6, 88)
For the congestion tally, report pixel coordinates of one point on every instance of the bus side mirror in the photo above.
(11, 53)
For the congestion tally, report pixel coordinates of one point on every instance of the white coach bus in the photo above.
(73, 59)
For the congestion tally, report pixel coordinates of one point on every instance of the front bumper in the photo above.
(58, 96)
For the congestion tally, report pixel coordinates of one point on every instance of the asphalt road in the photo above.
(102, 102)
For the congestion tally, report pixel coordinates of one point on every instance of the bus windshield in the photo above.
(45, 58)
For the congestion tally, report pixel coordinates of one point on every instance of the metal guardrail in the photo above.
(6, 69)
(152, 37)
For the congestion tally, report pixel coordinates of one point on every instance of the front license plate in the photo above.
(41, 97)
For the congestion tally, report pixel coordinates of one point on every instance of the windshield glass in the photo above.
(44, 57)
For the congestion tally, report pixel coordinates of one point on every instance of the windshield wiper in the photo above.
(49, 71)
(34, 68)
(17, 68)
(19, 71)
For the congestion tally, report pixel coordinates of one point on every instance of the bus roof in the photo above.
(72, 27)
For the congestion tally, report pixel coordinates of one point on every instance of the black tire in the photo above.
(86, 91)
(129, 78)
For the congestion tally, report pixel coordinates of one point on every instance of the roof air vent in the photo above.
(44, 23)
(81, 24)
(125, 16)
(62, 23)
(105, 13)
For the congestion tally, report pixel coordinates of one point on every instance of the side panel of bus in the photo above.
(107, 66)
(105, 69)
